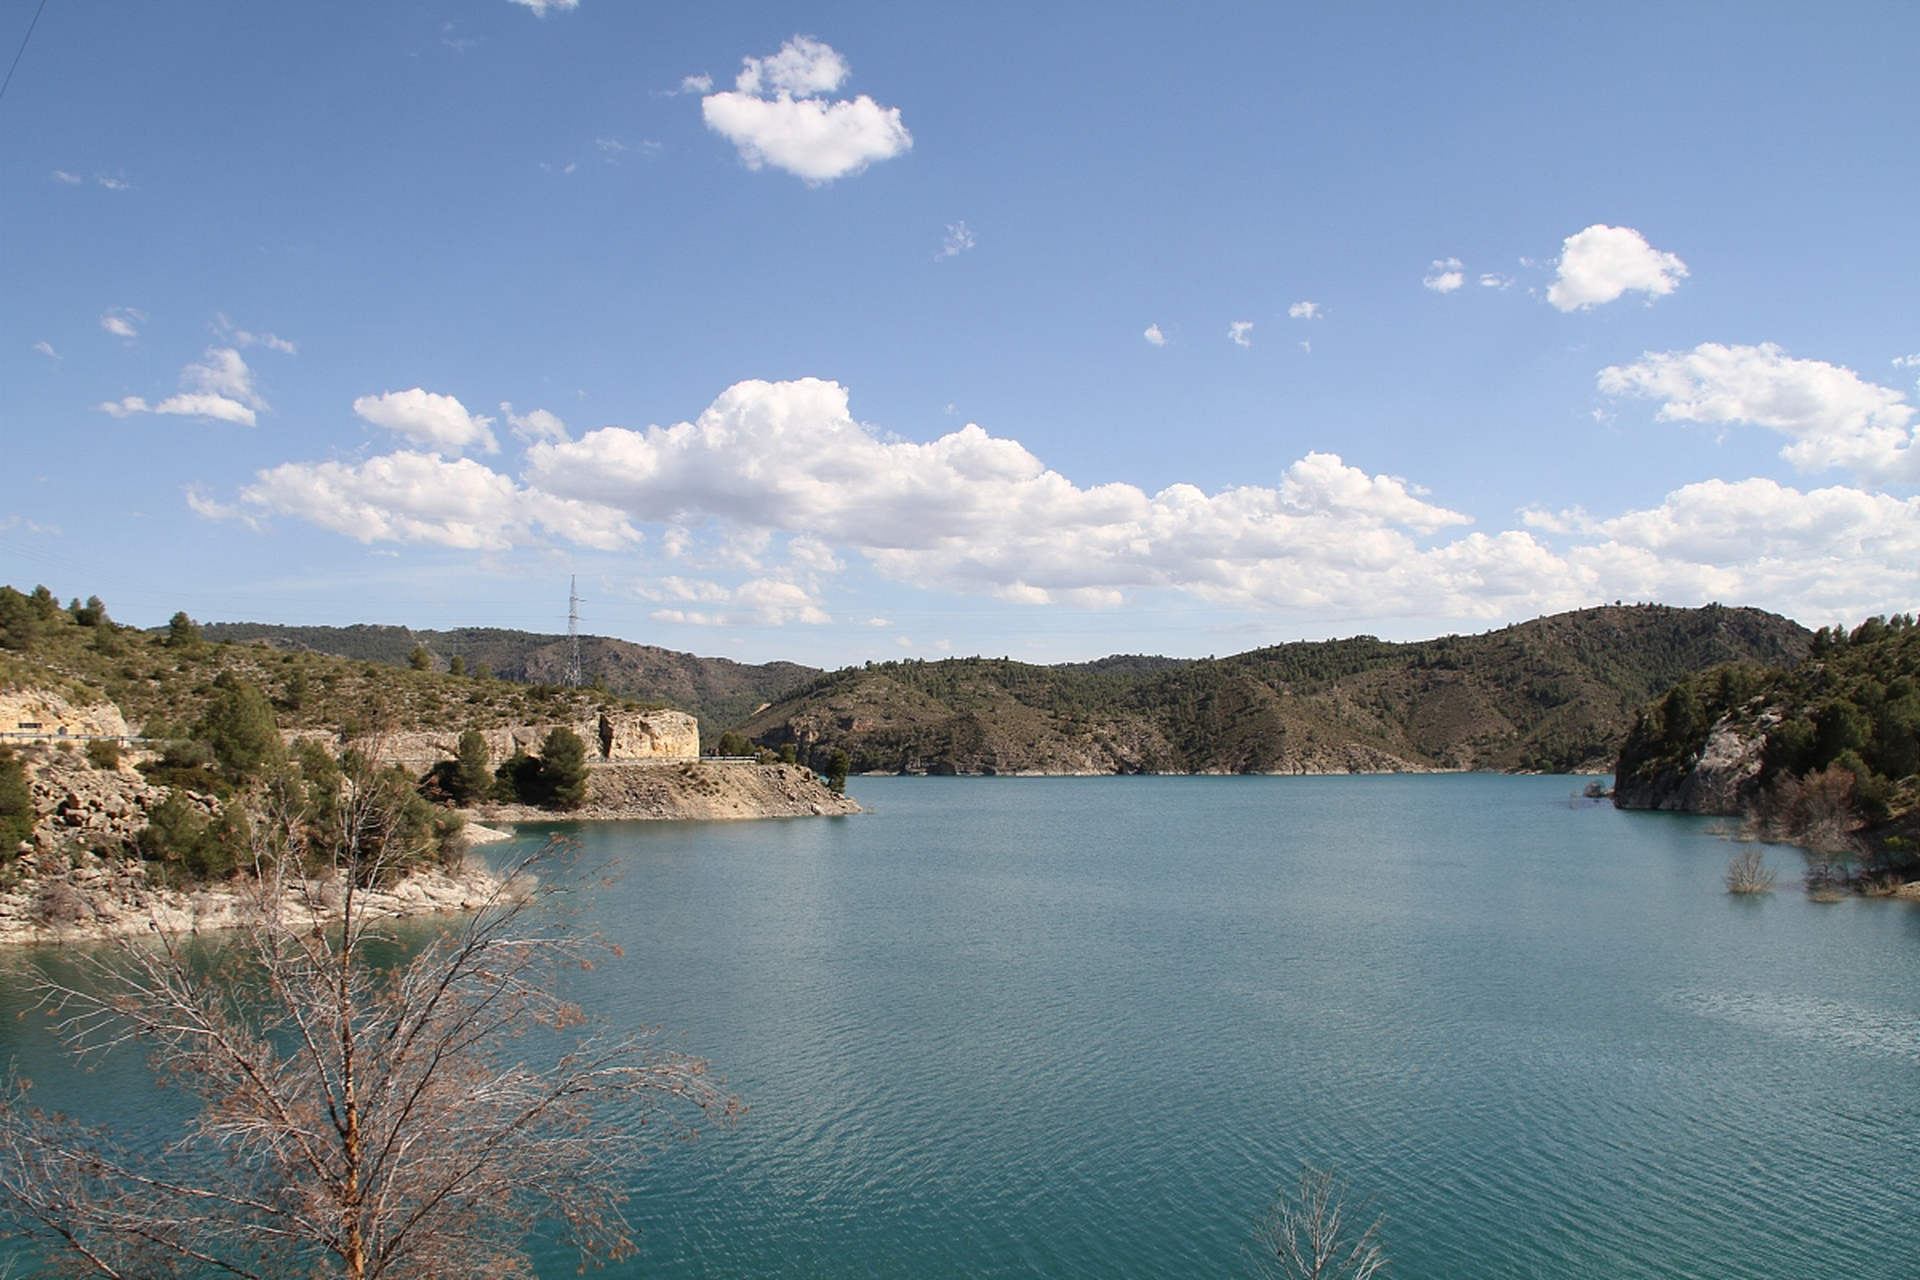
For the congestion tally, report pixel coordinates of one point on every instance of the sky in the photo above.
(845, 332)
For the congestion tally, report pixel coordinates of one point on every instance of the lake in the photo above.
(1085, 1026)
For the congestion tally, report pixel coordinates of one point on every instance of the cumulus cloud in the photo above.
(536, 425)
(1601, 263)
(441, 423)
(1237, 333)
(774, 115)
(957, 242)
(46, 349)
(773, 467)
(1304, 311)
(1154, 335)
(122, 322)
(112, 183)
(1834, 417)
(1494, 280)
(422, 497)
(544, 7)
(702, 83)
(1446, 275)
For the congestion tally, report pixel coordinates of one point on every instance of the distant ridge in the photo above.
(1557, 694)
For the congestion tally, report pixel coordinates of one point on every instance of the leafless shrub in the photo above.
(352, 1120)
(1305, 1234)
(1748, 872)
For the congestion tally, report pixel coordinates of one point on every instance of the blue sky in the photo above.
(836, 332)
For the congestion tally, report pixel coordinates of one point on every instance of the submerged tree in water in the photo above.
(1306, 1235)
(354, 1119)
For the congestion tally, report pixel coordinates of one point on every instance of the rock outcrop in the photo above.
(614, 735)
(691, 789)
(39, 714)
(90, 898)
(1722, 780)
(77, 802)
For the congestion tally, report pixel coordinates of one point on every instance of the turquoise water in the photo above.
(1083, 1027)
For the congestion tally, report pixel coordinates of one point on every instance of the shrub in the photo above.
(104, 753)
(16, 803)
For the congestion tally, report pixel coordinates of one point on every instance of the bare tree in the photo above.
(413, 1120)
(1305, 1234)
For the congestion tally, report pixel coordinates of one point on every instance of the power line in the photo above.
(23, 49)
(573, 631)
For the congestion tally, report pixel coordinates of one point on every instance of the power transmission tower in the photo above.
(573, 631)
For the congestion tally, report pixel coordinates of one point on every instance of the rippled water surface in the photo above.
(1083, 1027)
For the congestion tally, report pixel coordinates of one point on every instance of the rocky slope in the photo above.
(1554, 694)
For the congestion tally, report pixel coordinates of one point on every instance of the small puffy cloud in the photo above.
(957, 242)
(1834, 417)
(1494, 280)
(66, 179)
(535, 425)
(1304, 311)
(1237, 333)
(112, 183)
(1446, 276)
(544, 7)
(122, 322)
(46, 349)
(219, 388)
(702, 83)
(1154, 335)
(439, 422)
(1601, 263)
(775, 116)
(1906, 362)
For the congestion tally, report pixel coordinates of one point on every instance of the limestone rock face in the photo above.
(615, 735)
(39, 713)
(648, 735)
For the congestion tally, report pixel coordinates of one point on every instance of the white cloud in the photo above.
(122, 322)
(702, 83)
(112, 183)
(957, 242)
(421, 497)
(535, 425)
(774, 115)
(125, 408)
(784, 465)
(439, 422)
(1906, 362)
(1446, 275)
(1154, 335)
(1599, 264)
(46, 349)
(1494, 280)
(1237, 333)
(544, 7)
(1835, 418)
(220, 387)
(1304, 311)
(68, 179)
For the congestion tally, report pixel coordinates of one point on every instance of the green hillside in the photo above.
(1554, 694)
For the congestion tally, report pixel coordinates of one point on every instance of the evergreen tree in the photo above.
(239, 727)
(563, 768)
(182, 632)
(457, 666)
(420, 659)
(837, 766)
(471, 778)
(16, 802)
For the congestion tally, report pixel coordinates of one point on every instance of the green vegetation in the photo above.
(16, 804)
(563, 769)
(1555, 694)
(1841, 733)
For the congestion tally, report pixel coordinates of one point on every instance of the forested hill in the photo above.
(1554, 694)
(719, 691)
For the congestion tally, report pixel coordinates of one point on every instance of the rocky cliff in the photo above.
(690, 789)
(610, 736)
